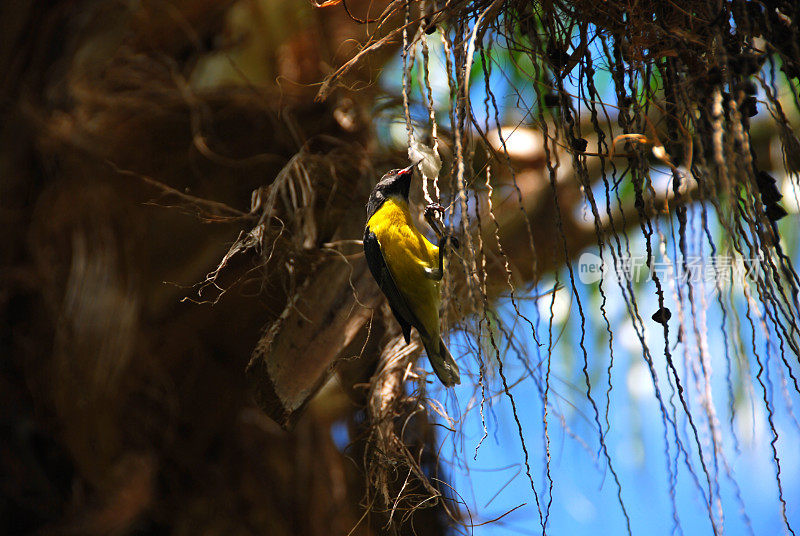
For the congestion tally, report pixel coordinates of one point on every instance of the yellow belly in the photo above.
(407, 254)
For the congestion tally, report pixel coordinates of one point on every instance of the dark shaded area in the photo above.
(123, 409)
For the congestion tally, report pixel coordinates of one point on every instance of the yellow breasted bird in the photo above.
(407, 267)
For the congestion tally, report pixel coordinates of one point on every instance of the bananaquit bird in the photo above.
(408, 267)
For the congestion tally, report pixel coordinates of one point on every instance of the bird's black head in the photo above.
(394, 183)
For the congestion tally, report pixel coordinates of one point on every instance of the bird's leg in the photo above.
(432, 218)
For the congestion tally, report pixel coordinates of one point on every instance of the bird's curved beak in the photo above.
(404, 176)
(410, 168)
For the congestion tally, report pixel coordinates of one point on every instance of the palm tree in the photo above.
(194, 340)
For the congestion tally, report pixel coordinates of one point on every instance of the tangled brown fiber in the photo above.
(124, 409)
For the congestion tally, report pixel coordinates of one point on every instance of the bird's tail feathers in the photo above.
(442, 362)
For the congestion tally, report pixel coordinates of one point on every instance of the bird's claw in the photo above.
(433, 215)
(432, 208)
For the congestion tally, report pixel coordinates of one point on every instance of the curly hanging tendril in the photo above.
(431, 115)
(417, 152)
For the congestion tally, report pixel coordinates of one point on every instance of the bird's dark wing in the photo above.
(380, 271)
